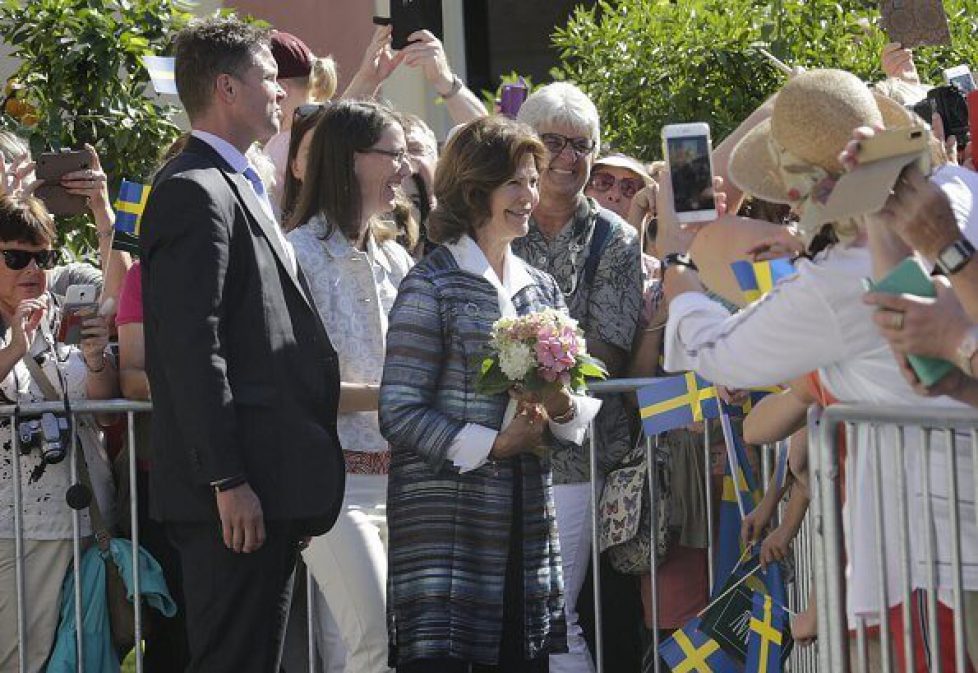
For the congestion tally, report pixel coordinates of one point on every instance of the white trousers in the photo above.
(349, 566)
(573, 504)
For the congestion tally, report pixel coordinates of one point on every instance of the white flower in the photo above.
(516, 359)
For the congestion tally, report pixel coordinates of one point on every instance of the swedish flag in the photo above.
(756, 279)
(765, 640)
(754, 396)
(129, 206)
(689, 650)
(675, 401)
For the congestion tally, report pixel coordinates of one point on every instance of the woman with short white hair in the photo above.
(595, 257)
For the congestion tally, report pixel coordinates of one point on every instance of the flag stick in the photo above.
(775, 61)
(731, 456)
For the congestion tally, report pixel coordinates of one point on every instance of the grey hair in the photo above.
(562, 103)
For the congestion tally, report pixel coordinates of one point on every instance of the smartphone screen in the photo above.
(964, 82)
(689, 168)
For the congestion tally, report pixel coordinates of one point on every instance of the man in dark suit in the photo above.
(244, 379)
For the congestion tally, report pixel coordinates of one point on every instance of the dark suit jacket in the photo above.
(243, 375)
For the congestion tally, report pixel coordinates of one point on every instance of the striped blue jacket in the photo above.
(450, 532)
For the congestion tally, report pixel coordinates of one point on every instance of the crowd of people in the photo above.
(316, 279)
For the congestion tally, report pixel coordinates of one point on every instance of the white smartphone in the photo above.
(81, 302)
(688, 151)
(960, 76)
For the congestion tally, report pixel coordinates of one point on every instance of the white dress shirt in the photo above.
(470, 448)
(239, 163)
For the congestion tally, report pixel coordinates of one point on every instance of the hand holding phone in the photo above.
(80, 304)
(50, 168)
(410, 16)
(689, 154)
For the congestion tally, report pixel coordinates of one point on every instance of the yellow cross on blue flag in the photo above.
(738, 484)
(676, 401)
(129, 206)
(689, 650)
(765, 639)
(161, 73)
(756, 279)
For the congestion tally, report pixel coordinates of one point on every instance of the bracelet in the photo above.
(222, 485)
(455, 88)
(567, 416)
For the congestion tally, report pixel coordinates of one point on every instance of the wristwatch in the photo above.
(222, 485)
(966, 350)
(953, 258)
(457, 85)
(679, 259)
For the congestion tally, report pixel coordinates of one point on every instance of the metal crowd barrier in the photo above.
(802, 660)
(865, 429)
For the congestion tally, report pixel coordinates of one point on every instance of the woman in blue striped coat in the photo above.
(474, 577)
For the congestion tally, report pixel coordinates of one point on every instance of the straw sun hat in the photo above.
(812, 121)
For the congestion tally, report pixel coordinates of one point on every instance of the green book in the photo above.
(908, 278)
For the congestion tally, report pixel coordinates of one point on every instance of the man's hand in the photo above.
(898, 63)
(242, 522)
(426, 50)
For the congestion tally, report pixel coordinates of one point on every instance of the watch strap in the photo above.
(679, 259)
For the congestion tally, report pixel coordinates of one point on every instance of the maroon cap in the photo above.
(293, 57)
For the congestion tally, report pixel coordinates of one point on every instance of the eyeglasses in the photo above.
(555, 144)
(602, 182)
(306, 110)
(399, 156)
(19, 259)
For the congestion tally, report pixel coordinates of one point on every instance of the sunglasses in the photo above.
(306, 110)
(602, 182)
(19, 259)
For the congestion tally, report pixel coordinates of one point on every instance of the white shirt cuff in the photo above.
(574, 429)
(470, 448)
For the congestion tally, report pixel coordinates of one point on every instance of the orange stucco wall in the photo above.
(338, 27)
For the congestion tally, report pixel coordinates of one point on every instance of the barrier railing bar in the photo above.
(903, 532)
(76, 550)
(651, 455)
(19, 548)
(956, 578)
(882, 585)
(134, 525)
(596, 551)
(935, 637)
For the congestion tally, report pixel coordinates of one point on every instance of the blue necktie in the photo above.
(259, 187)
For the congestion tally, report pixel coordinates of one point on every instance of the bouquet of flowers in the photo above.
(537, 351)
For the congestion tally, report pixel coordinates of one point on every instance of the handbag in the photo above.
(625, 512)
(122, 620)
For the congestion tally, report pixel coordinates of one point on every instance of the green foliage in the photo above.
(646, 63)
(80, 72)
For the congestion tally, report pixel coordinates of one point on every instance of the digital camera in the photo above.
(47, 434)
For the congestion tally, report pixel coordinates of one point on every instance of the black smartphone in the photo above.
(950, 103)
(409, 16)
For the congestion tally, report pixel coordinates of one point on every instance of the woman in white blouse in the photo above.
(357, 158)
(817, 320)
(27, 237)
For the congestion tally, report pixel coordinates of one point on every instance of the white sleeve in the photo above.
(791, 331)
(960, 185)
(574, 429)
(470, 448)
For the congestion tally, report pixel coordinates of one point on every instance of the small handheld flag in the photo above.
(689, 650)
(129, 207)
(739, 488)
(765, 640)
(161, 73)
(758, 278)
(676, 401)
(754, 396)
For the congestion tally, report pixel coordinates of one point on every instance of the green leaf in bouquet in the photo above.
(491, 379)
(591, 367)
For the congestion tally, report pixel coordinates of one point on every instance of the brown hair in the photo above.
(483, 155)
(291, 185)
(330, 186)
(208, 48)
(26, 220)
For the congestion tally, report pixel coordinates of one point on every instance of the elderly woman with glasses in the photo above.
(614, 182)
(27, 238)
(595, 258)
(351, 165)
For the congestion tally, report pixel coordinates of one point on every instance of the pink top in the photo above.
(131, 298)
